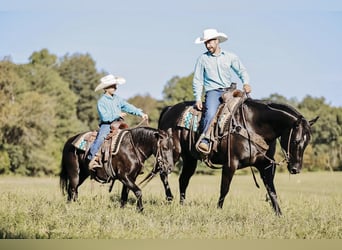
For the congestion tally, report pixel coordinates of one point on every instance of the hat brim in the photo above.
(118, 80)
(221, 37)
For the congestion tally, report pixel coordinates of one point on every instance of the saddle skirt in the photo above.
(191, 117)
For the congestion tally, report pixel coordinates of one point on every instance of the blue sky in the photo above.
(293, 48)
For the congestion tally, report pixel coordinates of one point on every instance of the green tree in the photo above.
(281, 99)
(38, 114)
(148, 105)
(80, 73)
(11, 86)
(327, 132)
(178, 90)
(43, 57)
(26, 118)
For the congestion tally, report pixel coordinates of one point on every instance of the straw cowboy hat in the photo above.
(209, 34)
(110, 80)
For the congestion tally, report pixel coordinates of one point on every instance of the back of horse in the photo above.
(184, 117)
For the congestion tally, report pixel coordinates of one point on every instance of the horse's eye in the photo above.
(296, 142)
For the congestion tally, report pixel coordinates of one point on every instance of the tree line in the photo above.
(49, 99)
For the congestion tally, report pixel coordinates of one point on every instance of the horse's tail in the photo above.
(63, 175)
(164, 110)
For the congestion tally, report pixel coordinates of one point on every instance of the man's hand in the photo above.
(247, 88)
(145, 116)
(199, 105)
(122, 114)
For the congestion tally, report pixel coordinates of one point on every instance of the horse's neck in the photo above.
(272, 119)
(143, 144)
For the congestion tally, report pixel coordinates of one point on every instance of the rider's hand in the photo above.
(145, 116)
(122, 114)
(247, 88)
(199, 105)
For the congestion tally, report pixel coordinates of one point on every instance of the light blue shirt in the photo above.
(215, 71)
(109, 108)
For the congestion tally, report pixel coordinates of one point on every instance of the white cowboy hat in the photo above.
(109, 80)
(209, 34)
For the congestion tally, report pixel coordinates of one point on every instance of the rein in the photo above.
(158, 162)
(272, 162)
(250, 144)
(141, 123)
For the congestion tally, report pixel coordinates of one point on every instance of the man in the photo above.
(213, 72)
(109, 108)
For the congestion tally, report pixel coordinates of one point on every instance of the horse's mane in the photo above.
(142, 134)
(278, 106)
(285, 107)
(165, 109)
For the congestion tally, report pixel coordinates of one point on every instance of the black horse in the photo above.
(248, 140)
(137, 144)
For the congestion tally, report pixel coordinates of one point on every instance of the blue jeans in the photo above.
(211, 103)
(101, 136)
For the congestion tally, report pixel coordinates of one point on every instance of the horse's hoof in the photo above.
(169, 199)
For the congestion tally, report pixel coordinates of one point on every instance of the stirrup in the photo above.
(94, 163)
(205, 152)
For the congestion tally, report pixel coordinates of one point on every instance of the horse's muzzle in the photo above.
(294, 169)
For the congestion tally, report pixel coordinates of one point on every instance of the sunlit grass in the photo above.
(311, 204)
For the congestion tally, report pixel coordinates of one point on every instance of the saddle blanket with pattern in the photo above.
(83, 141)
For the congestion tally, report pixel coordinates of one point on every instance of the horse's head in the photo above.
(164, 155)
(295, 143)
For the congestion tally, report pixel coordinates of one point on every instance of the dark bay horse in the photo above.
(260, 121)
(137, 145)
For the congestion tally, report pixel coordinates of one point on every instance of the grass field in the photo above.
(34, 208)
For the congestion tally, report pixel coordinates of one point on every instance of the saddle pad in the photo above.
(190, 119)
(84, 140)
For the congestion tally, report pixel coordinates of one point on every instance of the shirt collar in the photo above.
(109, 96)
(221, 53)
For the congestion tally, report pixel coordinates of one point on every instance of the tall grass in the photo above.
(311, 203)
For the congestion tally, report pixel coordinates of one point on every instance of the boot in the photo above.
(203, 146)
(93, 163)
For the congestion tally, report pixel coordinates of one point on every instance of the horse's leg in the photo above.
(189, 167)
(82, 176)
(267, 174)
(164, 177)
(124, 196)
(226, 179)
(130, 183)
(111, 185)
(165, 181)
(72, 188)
(74, 180)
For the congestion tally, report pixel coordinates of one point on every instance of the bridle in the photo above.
(159, 163)
(273, 163)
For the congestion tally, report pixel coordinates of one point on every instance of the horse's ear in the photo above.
(311, 122)
(299, 120)
(162, 134)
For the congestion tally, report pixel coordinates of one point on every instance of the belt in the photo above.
(101, 123)
(119, 119)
